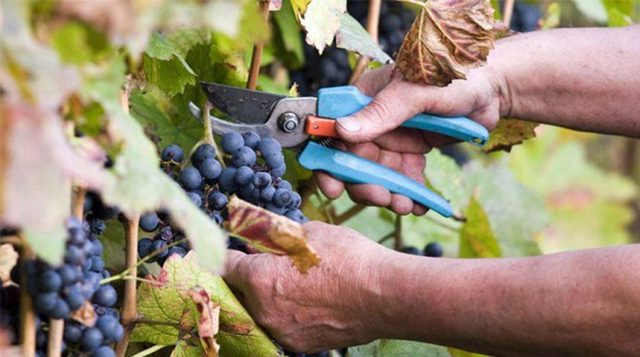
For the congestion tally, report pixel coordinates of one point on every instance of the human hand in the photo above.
(373, 132)
(336, 304)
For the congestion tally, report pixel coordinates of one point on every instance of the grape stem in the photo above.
(123, 274)
(373, 18)
(129, 309)
(397, 233)
(256, 56)
(149, 351)
(348, 214)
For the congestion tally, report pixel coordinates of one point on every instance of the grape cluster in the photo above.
(395, 21)
(433, 249)
(254, 169)
(58, 291)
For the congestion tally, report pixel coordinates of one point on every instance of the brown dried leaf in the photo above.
(85, 315)
(208, 321)
(508, 133)
(448, 38)
(321, 21)
(269, 232)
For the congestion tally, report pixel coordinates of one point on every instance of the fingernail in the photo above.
(349, 124)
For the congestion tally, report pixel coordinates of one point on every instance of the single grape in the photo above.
(411, 250)
(266, 194)
(217, 200)
(268, 146)
(195, 198)
(261, 180)
(119, 333)
(166, 234)
(107, 325)
(60, 310)
(296, 215)
(284, 184)
(245, 191)
(190, 178)
(433, 249)
(106, 296)
(73, 296)
(158, 245)
(173, 153)
(97, 264)
(45, 302)
(74, 255)
(177, 250)
(274, 159)
(149, 222)
(251, 139)
(91, 339)
(69, 274)
(244, 175)
(210, 169)
(202, 153)
(275, 209)
(72, 332)
(227, 181)
(97, 226)
(144, 247)
(49, 281)
(282, 197)
(245, 156)
(296, 200)
(96, 248)
(104, 351)
(279, 171)
(231, 142)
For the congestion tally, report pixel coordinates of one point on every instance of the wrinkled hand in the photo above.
(333, 305)
(373, 132)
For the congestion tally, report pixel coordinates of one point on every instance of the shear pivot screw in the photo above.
(288, 122)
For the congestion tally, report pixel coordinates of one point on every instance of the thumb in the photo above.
(392, 106)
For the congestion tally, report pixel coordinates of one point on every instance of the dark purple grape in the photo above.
(261, 180)
(149, 222)
(244, 175)
(106, 296)
(433, 249)
(251, 139)
(232, 142)
(144, 247)
(210, 169)
(245, 156)
(217, 200)
(172, 153)
(91, 339)
(202, 153)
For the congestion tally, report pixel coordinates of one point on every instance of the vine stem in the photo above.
(352, 211)
(27, 315)
(149, 351)
(397, 237)
(256, 56)
(129, 310)
(507, 12)
(56, 326)
(373, 18)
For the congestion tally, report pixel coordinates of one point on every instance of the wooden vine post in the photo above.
(27, 315)
(130, 224)
(373, 19)
(256, 56)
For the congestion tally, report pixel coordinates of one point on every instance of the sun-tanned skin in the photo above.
(579, 303)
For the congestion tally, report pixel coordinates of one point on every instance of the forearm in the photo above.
(585, 79)
(579, 303)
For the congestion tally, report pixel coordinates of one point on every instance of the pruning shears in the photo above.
(296, 121)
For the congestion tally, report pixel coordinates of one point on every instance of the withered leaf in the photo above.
(208, 321)
(321, 21)
(85, 315)
(508, 133)
(448, 38)
(269, 232)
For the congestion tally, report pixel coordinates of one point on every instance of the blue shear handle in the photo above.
(336, 102)
(354, 169)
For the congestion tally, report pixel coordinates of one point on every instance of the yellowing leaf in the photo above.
(447, 38)
(321, 21)
(269, 232)
(180, 306)
(299, 7)
(476, 237)
(508, 133)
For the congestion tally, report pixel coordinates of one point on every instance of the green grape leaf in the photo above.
(163, 300)
(476, 237)
(588, 205)
(162, 127)
(269, 232)
(397, 348)
(187, 349)
(78, 43)
(353, 37)
(165, 66)
(620, 12)
(299, 7)
(508, 133)
(321, 21)
(594, 10)
(515, 212)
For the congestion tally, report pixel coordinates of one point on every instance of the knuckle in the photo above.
(378, 110)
